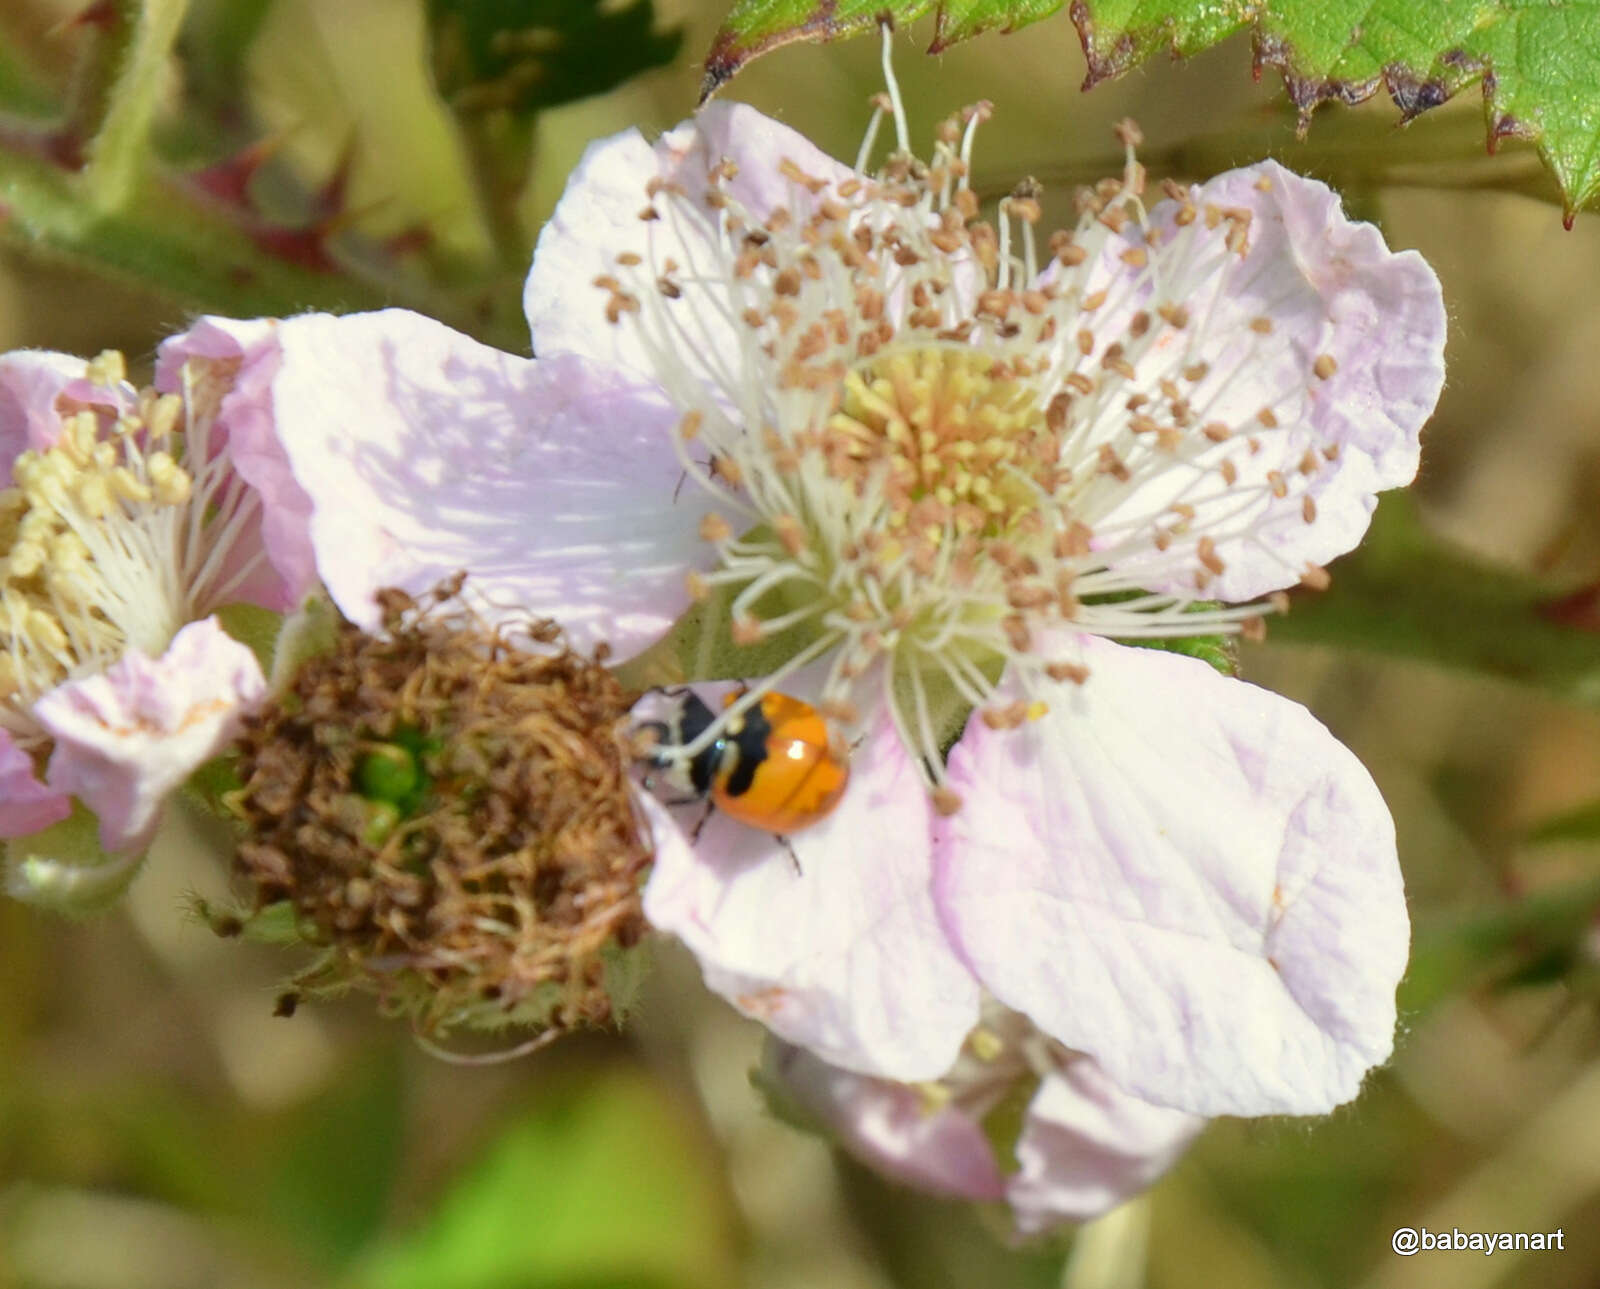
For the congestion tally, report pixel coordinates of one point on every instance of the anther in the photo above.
(1075, 672)
(1315, 578)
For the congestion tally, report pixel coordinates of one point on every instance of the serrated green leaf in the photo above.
(1538, 60)
(1410, 594)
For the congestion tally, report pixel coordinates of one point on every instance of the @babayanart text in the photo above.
(1408, 1240)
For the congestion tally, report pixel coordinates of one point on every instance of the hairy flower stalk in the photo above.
(942, 449)
(450, 817)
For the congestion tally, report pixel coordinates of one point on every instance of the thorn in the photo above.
(329, 201)
(1580, 610)
(301, 246)
(103, 14)
(409, 241)
(229, 180)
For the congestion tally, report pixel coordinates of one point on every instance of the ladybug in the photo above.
(776, 766)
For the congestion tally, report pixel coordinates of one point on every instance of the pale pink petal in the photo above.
(1187, 878)
(598, 218)
(423, 452)
(245, 426)
(32, 381)
(1086, 1146)
(758, 146)
(1314, 287)
(26, 805)
(667, 842)
(893, 1128)
(127, 737)
(844, 956)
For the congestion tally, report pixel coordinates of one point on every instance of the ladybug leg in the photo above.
(794, 859)
(700, 823)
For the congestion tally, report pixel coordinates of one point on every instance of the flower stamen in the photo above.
(945, 461)
(130, 524)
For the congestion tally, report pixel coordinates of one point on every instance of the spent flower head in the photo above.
(447, 811)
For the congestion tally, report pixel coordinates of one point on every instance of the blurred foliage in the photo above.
(1405, 591)
(110, 169)
(595, 1181)
(1582, 824)
(523, 56)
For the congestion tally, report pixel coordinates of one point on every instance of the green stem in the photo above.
(176, 245)
(145, 34)
(499, 150)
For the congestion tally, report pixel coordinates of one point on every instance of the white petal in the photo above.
(1086, 1146)
(845, 956)
(424, 452)
(248, 351)
(130, 735)
(1187, 878)
(598, 218)
(891, 1127)
(1329, 289)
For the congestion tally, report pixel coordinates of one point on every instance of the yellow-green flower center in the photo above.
(961, 439)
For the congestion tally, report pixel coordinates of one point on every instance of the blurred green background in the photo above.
(159, 1127)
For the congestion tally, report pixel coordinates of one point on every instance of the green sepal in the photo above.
(1217, 651)
(63, 868)
(624, 973)
(1003, 1124)
(256, 628)
(307, 632)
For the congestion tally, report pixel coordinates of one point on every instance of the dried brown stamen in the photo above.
(449, 814)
